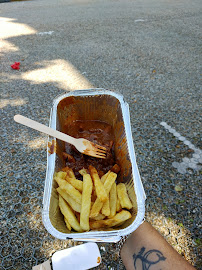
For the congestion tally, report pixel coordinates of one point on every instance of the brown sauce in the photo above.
(52, 147)
(95, 131)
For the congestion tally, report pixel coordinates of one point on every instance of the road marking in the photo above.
(45, 33)
(139, 20)
(194, 162)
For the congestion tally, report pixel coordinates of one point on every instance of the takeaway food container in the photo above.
(110, 107)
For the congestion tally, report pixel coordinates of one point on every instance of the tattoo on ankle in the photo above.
(148, 258)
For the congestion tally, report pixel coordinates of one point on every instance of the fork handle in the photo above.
(42, 128)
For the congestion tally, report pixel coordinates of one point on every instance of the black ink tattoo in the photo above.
(144, 258)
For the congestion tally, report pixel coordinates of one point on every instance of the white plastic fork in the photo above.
(82, 145)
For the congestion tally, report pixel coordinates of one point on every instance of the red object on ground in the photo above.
(16, 65)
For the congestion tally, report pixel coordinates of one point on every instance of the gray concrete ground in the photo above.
(148, 50)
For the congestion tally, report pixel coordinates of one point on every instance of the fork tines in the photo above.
(98, 151)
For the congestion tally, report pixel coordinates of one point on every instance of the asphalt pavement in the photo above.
(149, 51)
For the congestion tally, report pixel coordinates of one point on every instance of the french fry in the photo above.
(94, 203)
(77, 184)
(70, 177)
(118, 205)
(123, 196)
(115, 221)
(86, 202)
(63, 184)
(121, 217)
(99, 217)
(98, 224)
(83, 171)
(73, 181)
(69, 215)
(67, 224)
(99, 187)
(109, 181)
(112, 201)
(107, 185)
(74, 205)
(69, 172)
(61, 174)
(97, 206)
(104, 177)
(106, 208)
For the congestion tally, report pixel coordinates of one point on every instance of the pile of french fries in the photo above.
(93, 203)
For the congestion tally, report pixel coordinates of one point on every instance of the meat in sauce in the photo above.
(95, 131)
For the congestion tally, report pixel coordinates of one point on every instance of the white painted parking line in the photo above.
(139, 20)
(45, 33)
(194, 162)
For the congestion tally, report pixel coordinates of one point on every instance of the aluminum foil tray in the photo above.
(110, 107)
